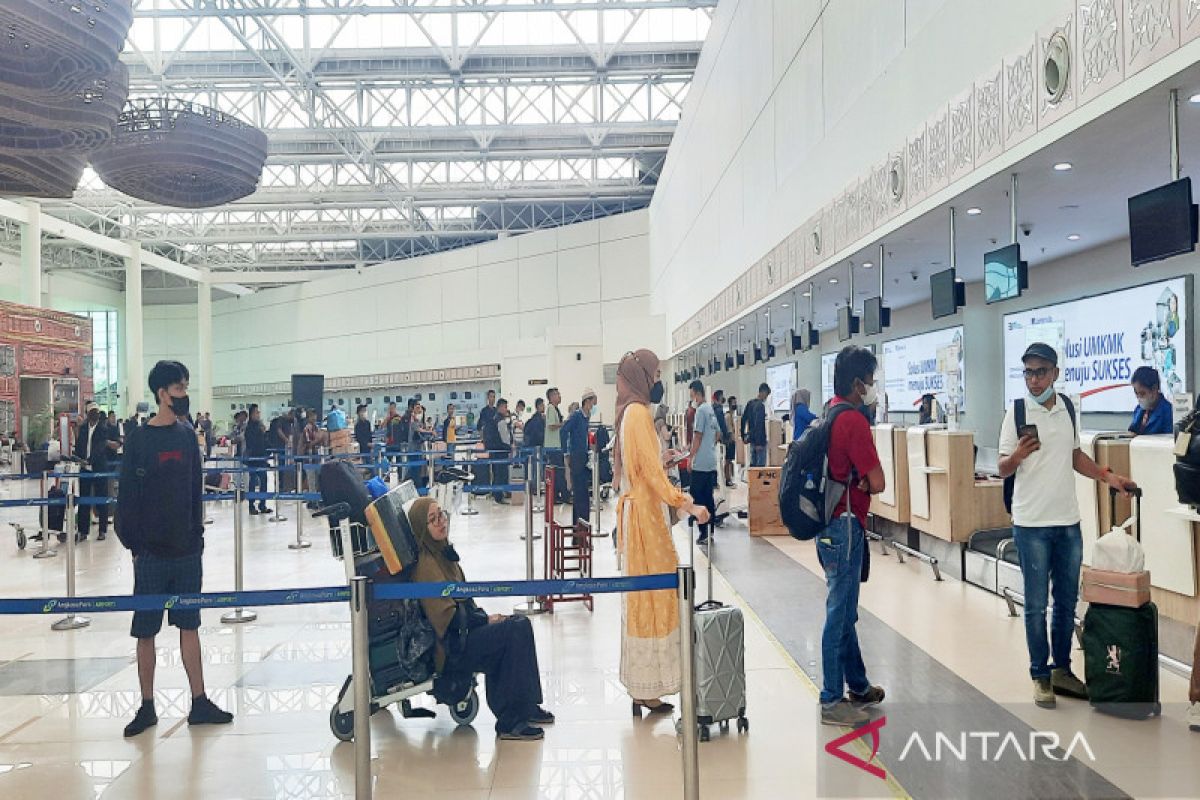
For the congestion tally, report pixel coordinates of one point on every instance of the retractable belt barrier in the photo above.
(331, 594)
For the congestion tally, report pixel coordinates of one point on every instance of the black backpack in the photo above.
(1019, 420)
(806, 495)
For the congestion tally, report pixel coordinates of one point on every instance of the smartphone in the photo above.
(1027, 430)
(679, 459)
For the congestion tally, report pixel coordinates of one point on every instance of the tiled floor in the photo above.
(281, 674)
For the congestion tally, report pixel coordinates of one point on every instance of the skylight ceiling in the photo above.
(403, 127)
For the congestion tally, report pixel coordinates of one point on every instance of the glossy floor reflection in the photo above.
(280, 675)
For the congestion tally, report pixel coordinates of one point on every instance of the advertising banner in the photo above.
(1101, 341)
(782, 380)
(929, 363)
(827, 362)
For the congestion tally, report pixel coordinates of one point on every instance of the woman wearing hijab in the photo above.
(650, 667)
(469, 641)
(802, 416)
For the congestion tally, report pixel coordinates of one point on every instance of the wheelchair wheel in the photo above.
(464, 713)
(342, 725)
(21, 541)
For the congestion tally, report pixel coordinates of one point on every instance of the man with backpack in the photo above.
(702, 456)
(854, 474)
(1039, 448)
(754, 426)
(161, 522)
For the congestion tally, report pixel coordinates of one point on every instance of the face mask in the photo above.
(1044, 396)
(1147, 403)
(870, 395)
(420, 417)
(180, 405)
(656, 392)
(93, 418)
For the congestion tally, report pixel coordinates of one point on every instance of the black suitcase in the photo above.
(56, 515)
(1120, 652)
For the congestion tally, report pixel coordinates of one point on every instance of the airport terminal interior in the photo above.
(633, 291)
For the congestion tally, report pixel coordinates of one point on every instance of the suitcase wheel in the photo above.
(704, 734)
(743, 725)
(724, 726)
(20, 539)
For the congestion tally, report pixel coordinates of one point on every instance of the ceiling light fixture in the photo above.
(1063, 166)
(867, 265)
(785, 305)
(1194, 98)
(833, 280)
(974, 212)
(1074, 237)
(807, 294)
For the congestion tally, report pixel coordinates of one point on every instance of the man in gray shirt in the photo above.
(703, 457)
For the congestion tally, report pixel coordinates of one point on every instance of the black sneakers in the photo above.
(870, 697)
(205, 712)
(145, 718)
(527, 734)
(540, 716)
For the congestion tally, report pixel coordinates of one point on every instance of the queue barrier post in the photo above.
(300, 543)
(539, 460)
(45, 551)
(689, 730)
(532, 605)
(359, 590)
(71, 622)
(277, 517)
(597, 533)
(470, 510)
(238, 615)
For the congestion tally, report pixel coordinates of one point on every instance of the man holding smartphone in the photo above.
(1042, 456)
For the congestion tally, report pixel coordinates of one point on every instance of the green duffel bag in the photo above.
(1120, 657)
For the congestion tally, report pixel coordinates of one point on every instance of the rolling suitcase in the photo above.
(720, 662)
(1120, 653)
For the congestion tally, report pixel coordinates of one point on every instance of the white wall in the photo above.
(1106, 269)
(514, 302)
(792, 100)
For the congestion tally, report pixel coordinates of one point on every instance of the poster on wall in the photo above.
(782, 380)
(827, 363)
(929, 363)
(1101, 340)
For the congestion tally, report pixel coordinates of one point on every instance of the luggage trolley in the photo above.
(365, 558)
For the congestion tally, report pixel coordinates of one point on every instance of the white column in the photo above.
(202, 382)
(31, 257)
(135, 370)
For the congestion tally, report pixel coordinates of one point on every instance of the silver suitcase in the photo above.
(720, 633)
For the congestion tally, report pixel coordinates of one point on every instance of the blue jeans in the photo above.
(758, 455)
(258, 480)
(840, 551)
(1050, 560)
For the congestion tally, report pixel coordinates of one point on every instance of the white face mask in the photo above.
(1148, 403)
(871, 395)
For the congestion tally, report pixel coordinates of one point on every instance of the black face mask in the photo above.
(93, 418)
(180, 405)
(656, 392)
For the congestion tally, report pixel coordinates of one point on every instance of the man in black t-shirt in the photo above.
(161, 522)
(362, 429)
(256, 458)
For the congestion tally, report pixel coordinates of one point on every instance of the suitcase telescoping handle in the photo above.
(1136, 494)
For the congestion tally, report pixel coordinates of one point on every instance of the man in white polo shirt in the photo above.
(1046, 519)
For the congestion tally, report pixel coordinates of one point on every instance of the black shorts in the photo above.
(731, 451)
(156, 575)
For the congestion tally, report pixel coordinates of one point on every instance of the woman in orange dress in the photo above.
(650, 667)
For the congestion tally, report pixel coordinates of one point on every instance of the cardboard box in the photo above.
(1129, 589)
(763, 494)
(339, 438)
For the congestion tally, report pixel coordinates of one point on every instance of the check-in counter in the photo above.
(945, 499)
(1170, 531)
(891, 442)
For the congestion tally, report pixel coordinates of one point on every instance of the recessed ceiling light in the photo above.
(807, 294)
(1194, 98)
(867, 265)
(720, 338)
(1063, 166)
(785, 305)
(741, 327)
(833, 280)
(974, 212)
(1074, 237)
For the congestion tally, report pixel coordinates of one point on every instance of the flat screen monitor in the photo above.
(876, 316)
(308, 391)
(1162, 223)
(1002, 274)
(944, 293)
(741, 359)
(758, 353)
(847, 324)
(729, 362)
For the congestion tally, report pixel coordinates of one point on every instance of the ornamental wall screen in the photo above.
(61, 89)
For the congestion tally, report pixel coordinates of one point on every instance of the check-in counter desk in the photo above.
(891, 442)
(945, 499)
(1170, 531)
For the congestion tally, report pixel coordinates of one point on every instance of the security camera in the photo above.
(914, 275)
(1027, 229)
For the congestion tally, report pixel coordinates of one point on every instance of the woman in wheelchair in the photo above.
(471, 641)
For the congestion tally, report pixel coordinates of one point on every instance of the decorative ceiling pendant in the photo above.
(38, 176)
(181, 154)
(81, 123)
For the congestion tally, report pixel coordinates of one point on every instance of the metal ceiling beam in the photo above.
(231, 9)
